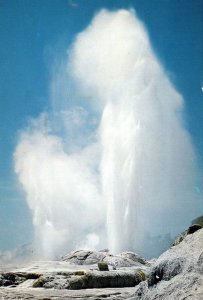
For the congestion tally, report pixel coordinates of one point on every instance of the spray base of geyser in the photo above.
(122, 173)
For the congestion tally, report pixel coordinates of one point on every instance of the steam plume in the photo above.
(134, 172)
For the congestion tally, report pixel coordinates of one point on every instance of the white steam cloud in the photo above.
(124, 166)
(61, 190)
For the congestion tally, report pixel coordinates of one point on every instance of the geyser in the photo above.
(134, 176)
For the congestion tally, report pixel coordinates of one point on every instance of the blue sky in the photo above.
(34, 32)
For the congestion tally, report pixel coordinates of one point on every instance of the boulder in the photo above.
(39, 282)
(102, 266)
(165, 270)
(193, 228)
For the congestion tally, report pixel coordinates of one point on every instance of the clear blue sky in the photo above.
(33, 31)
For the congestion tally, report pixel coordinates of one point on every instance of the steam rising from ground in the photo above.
(124, 164)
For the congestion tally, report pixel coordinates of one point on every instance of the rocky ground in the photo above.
(176, 274)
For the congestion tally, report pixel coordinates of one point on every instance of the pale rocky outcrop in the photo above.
(176, 274)
(85, 257)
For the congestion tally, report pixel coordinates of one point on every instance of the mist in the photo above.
(113, 163)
